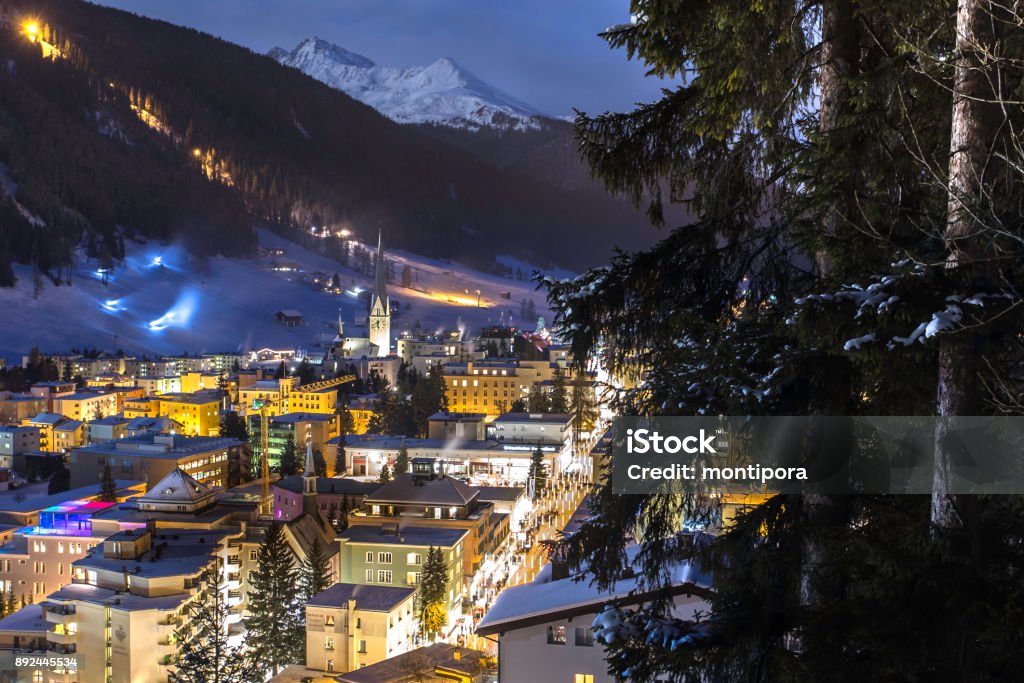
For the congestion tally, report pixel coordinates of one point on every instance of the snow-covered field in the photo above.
(158, 301)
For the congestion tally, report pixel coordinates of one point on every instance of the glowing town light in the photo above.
(158, 260)
(32, 30)
(197, 152)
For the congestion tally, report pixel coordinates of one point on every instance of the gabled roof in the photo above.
(68, 426)
(340, 486)
(403, 489)
(545, 600)
(369, 598)
(176, 487)
(47, 418)
(153, 424)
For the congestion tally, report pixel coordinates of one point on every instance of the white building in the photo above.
(544, 628)
(534, 428)
(349, 626)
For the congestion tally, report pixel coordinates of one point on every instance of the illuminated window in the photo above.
(583, 678)
(556, 635)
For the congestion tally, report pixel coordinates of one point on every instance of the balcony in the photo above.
(61, 615)
(168, 626)
(53, 637)
(60, 649)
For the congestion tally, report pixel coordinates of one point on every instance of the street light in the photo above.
(32, 30)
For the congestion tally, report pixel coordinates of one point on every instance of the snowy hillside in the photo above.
(441, 93)
(158, 301)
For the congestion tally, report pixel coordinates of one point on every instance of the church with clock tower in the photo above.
(380, 308)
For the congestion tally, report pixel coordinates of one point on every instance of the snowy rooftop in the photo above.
(385, 442)
(538, 418)
(182, 552)
(302, 417)
(162, 445)
(403, 489)
(338, 485)
(118, 600)
(15, 501)
(29, 619)
(369, 598)
(544, 598)
(409, 535)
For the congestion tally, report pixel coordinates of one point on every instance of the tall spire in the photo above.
(380, 280)
(310, 465)
(309, 481)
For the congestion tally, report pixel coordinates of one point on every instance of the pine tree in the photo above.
(538, 474)
(289, 457)
(559, 400)
(346, 423)
(385, 474)
(402, 461)
(583, 407)
(204, 655)
(275, 635)
(428, 397)
(375, 425)
(60, 481)
(537, 401)
(702, 331)
(234, 426)
(433, 597)
(314, 573)
(108, 487)
(346, 508)
(11, 602)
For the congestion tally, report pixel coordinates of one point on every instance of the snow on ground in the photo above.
(160, 301)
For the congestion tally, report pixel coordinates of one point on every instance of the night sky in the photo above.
(543, 52)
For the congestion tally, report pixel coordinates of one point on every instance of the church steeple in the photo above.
(380, 307)
(309, 475)
(380, 280)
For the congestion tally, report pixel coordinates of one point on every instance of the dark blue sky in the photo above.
(545, 52)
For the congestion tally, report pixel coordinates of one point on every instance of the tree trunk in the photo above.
(966, 244)
(840, 52)
(840, 60)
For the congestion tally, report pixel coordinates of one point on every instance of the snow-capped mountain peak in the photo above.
(442, 92)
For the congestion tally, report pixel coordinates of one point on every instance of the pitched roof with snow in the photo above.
(416, 536)
(403, 489)
(176, 489)
(369, 598)
(546, 600)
